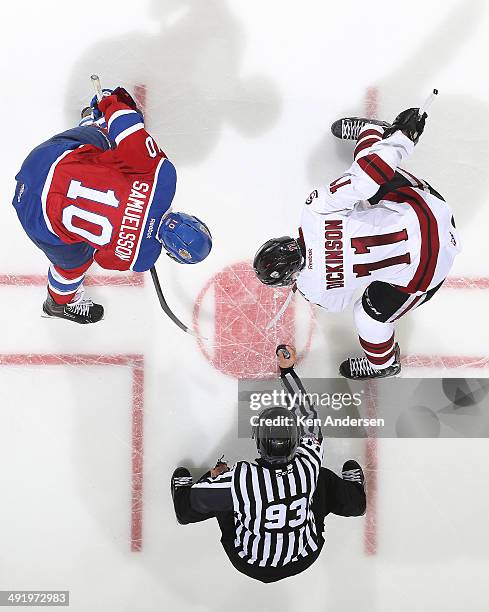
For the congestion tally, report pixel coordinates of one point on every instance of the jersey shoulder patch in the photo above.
(314, 194)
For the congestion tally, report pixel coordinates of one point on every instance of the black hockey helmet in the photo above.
(276, 435)
(278, 261)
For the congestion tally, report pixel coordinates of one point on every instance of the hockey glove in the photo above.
(126, 98)
(409, 123)
(122, 96)
(94, 104)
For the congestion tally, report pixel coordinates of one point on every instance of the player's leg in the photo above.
(64, 284)
(372, 314)
(375, 316)
(343, 496)
(65, 300)
(69, 262)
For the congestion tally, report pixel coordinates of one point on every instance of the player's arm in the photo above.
(378, 154)
(212, 492)
(374, 166)
(133, 145)
(300, 401)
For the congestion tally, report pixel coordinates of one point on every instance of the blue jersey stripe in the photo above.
(121, 122)
(63, 287)
(164, 191)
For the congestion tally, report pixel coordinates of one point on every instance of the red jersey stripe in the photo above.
(430, 242)
(376, 168)
(364, 144)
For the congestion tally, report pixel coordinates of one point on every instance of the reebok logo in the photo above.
(150, 228)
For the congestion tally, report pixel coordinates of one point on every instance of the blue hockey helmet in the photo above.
(185, 238)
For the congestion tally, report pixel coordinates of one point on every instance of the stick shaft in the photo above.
(428, 102)
(97, 86)
(166, 309)
(282, 310)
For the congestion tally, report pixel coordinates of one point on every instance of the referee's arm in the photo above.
(302, 405)
(212, 494)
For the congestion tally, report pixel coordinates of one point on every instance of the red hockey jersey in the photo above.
(113, 200)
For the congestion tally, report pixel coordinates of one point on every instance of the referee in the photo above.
(271, 513)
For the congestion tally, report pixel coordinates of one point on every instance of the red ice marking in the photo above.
(137, 280)
(449, 362)
(445, 361)
(461, 282)
(243, 306)
(372, 102)
(371, 466)
(140, 95)
(370, 533)
(136, 363)
(100, 280)
(411, 361)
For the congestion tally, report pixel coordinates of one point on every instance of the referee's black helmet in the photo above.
(276, 435)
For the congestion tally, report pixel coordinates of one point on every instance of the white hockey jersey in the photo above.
(405, 235)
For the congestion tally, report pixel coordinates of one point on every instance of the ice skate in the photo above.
(353, 472)
(79, 310)
(359, 368)
(349, 128)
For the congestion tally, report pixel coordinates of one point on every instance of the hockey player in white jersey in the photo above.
(376, 227)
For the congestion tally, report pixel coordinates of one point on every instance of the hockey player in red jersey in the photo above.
(103, 192)
(377, 227)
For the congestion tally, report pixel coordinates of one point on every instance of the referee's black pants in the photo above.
(333, 495)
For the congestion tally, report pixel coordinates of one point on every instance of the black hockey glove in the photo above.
(125, 97)
(410, 124)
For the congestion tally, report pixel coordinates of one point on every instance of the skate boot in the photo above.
(349, 128)
(78, 311)
(353, 472)
(359, 368)
(181, 477)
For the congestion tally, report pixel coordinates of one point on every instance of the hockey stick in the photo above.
(429, 101)
(97, 87)
(282, 310)
(166, 309)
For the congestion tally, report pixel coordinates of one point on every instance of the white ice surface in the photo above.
(240, 95)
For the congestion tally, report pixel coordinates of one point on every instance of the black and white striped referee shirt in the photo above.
(272, 506)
